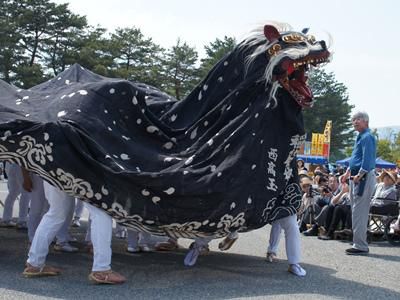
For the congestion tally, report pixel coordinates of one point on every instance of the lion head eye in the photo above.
(274, 49)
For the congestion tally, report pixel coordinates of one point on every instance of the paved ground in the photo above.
(240, 273)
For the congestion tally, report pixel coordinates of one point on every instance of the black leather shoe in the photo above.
(313, 231)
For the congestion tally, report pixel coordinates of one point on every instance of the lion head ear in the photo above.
(305, 30)
(271, 33)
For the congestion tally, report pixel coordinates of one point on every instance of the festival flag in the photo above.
(321, 140)
(327, 131)
(326, 150)
(314, 144)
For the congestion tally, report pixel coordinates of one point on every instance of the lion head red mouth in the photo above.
(294, 78)
(293, 54)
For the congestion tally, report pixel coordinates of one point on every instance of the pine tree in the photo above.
(215, 51)
(181, 71)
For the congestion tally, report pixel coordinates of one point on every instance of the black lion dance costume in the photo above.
(219, 161)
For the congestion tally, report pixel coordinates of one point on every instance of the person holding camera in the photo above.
(309, 208)
(361, 173)
(328, 193)
(338, 211)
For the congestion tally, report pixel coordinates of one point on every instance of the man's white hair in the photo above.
(361, 115)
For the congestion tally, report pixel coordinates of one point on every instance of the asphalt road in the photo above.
(240, 273)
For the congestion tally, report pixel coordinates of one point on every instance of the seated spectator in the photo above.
(325, 202)
(398, 186)
(326, 187)
(338, 211)
(396, 226)
(309, 207)
(384, 199)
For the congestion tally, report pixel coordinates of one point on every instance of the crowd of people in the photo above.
(348, 197)
(326, 206)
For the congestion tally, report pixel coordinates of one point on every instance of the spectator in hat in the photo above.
(301, 165)
(384, 199)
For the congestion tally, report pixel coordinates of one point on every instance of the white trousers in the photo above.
(60, 206)
(136, 238)
(15, 189)
(78, 209)
(100, 234)
(292, 238)
(63, 235)
(38, 205)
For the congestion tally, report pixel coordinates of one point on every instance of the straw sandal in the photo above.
(227, 243)
(169, 245)
(106, 277)
(31, 271)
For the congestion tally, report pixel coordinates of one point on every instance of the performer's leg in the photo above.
(37, 204)
(133, 241)
(101, 234)
(228, 241)
(49, 225)
(292, 242)
(145, 242)
(88, 235)
(14, 189)
(24, 200)
(78, 213)
(120, 231)
(63, 237)
(274, 237)
(292, 239)
(199, 246)
(78, 209)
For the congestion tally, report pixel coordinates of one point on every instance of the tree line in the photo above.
(39, 39)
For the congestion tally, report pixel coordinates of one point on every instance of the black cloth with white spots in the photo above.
(218, 161)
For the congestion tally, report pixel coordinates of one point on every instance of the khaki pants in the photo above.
(360, 210)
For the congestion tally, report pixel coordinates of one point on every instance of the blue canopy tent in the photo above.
(312, 159)
(380, 163)
(344, 161)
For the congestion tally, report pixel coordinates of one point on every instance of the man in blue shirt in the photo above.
(361, 173)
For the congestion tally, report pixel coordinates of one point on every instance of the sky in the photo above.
(365, 35)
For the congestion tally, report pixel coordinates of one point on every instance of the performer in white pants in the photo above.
(15, 189)
(78, 213)
(63, 237)
(33, 184)
(139, 241)
(39, 205)
(292, 242)
(51, 223)
(198, 247)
